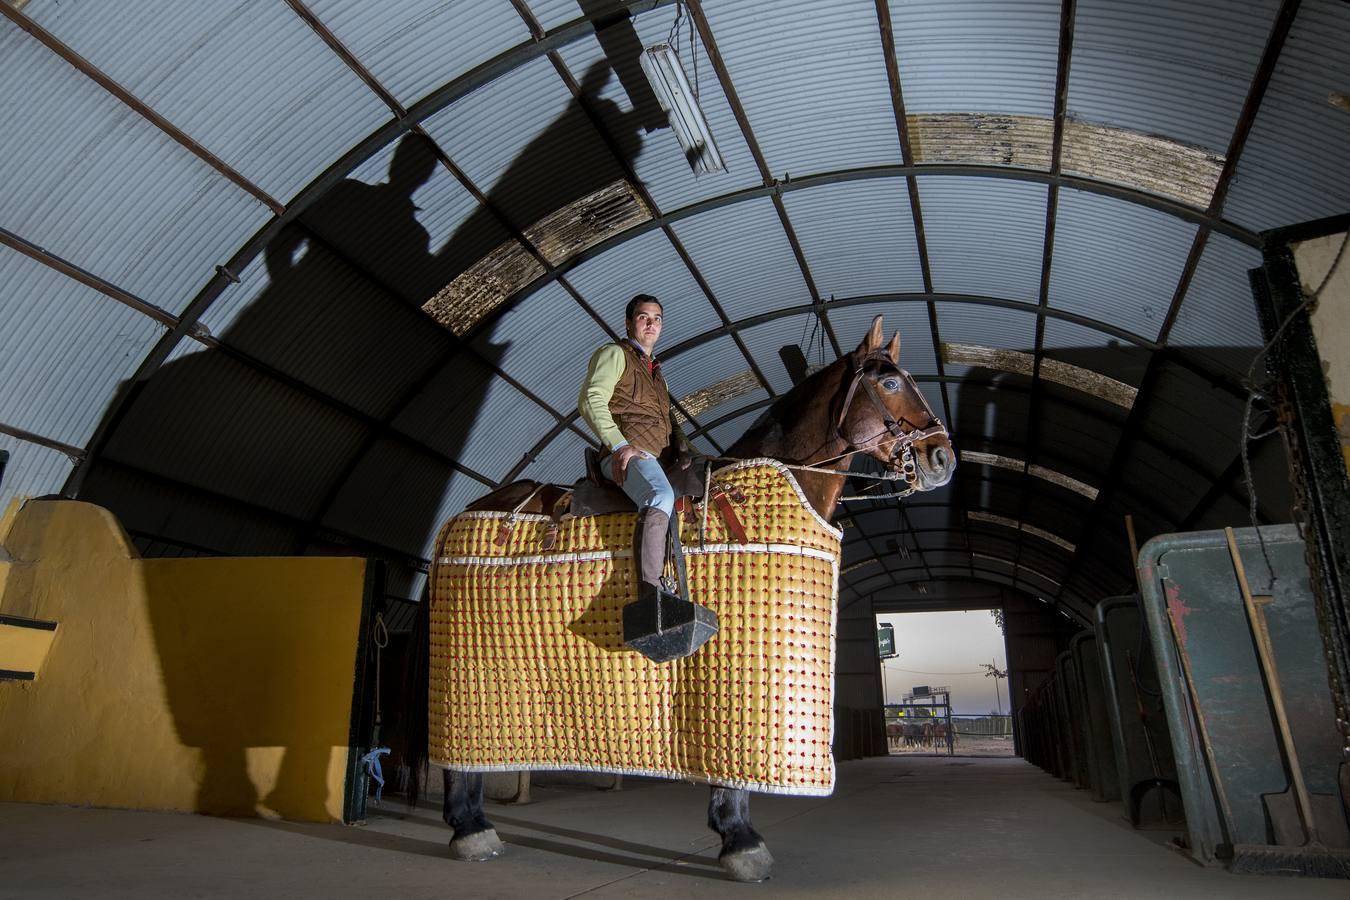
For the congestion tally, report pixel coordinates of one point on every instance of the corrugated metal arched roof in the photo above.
(249, 312)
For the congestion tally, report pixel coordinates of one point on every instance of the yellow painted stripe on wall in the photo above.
(23, 649)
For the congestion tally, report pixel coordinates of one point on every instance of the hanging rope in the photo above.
(371, 761)
(380, 637)
(1255, 390)
(707, 493)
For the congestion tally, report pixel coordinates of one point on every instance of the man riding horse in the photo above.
(625, 402)
(524, 570)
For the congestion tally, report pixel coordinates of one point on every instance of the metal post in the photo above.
(951, 738)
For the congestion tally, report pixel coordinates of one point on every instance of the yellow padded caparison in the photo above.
(529, 671)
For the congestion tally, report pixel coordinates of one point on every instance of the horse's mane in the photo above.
(786, 408)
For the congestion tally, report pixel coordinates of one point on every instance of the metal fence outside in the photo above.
(912, 729)
(986, 725)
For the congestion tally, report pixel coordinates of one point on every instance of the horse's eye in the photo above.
(891, 384)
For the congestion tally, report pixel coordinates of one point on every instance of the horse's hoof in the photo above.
(477, 847)
(747, 865)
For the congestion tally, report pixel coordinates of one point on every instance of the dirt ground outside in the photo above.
(964, 745)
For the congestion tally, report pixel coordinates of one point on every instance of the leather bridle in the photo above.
(902, 445)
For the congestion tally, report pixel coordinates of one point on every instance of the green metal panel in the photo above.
(1145, 768)
(1223, 734)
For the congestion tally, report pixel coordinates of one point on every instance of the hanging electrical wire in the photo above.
(801, 341)
(673, 39)
(815, 342)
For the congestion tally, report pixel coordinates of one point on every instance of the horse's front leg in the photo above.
(744, 856)
(475, 838)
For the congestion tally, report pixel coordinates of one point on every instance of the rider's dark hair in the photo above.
(638, 301)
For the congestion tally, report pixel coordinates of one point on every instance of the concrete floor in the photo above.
(895, 827)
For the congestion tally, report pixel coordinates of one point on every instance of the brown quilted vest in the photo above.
(640, 404)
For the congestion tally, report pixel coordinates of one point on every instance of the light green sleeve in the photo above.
(602, 376)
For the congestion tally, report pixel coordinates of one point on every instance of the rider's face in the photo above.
(645, 326)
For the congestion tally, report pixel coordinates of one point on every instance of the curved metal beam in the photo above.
(951, 580)
(1221, 380)
(1011, 562)
(1095, 580)
(988, 576)
(954, 571)
(1010, 484)
(898, 297)
(842, 176)
(864, 538)
(867, 557)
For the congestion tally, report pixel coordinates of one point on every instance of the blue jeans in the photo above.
(646, 483)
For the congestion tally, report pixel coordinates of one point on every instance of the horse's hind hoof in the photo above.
(747, 865)
(477, 847)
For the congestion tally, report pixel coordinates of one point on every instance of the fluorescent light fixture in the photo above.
(677, 99)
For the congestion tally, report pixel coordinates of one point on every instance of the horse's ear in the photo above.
(872, 342)
(893, 349)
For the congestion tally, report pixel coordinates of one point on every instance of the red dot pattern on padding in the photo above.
(528, 667)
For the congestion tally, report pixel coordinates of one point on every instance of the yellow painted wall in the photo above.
(221, 685)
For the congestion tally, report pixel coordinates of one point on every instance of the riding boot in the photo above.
(649, 545)
(661, 625)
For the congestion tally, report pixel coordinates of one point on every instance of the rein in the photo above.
(902, 442)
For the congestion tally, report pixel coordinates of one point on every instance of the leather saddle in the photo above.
(596, 494)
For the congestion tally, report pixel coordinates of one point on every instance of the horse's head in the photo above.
(885, 415)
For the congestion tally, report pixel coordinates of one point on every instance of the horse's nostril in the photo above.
(940, 459)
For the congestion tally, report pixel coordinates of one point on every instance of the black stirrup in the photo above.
(661, 624)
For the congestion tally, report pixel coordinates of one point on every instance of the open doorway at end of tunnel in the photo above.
(944, 678)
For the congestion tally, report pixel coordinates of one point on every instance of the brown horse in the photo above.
(862, 403)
